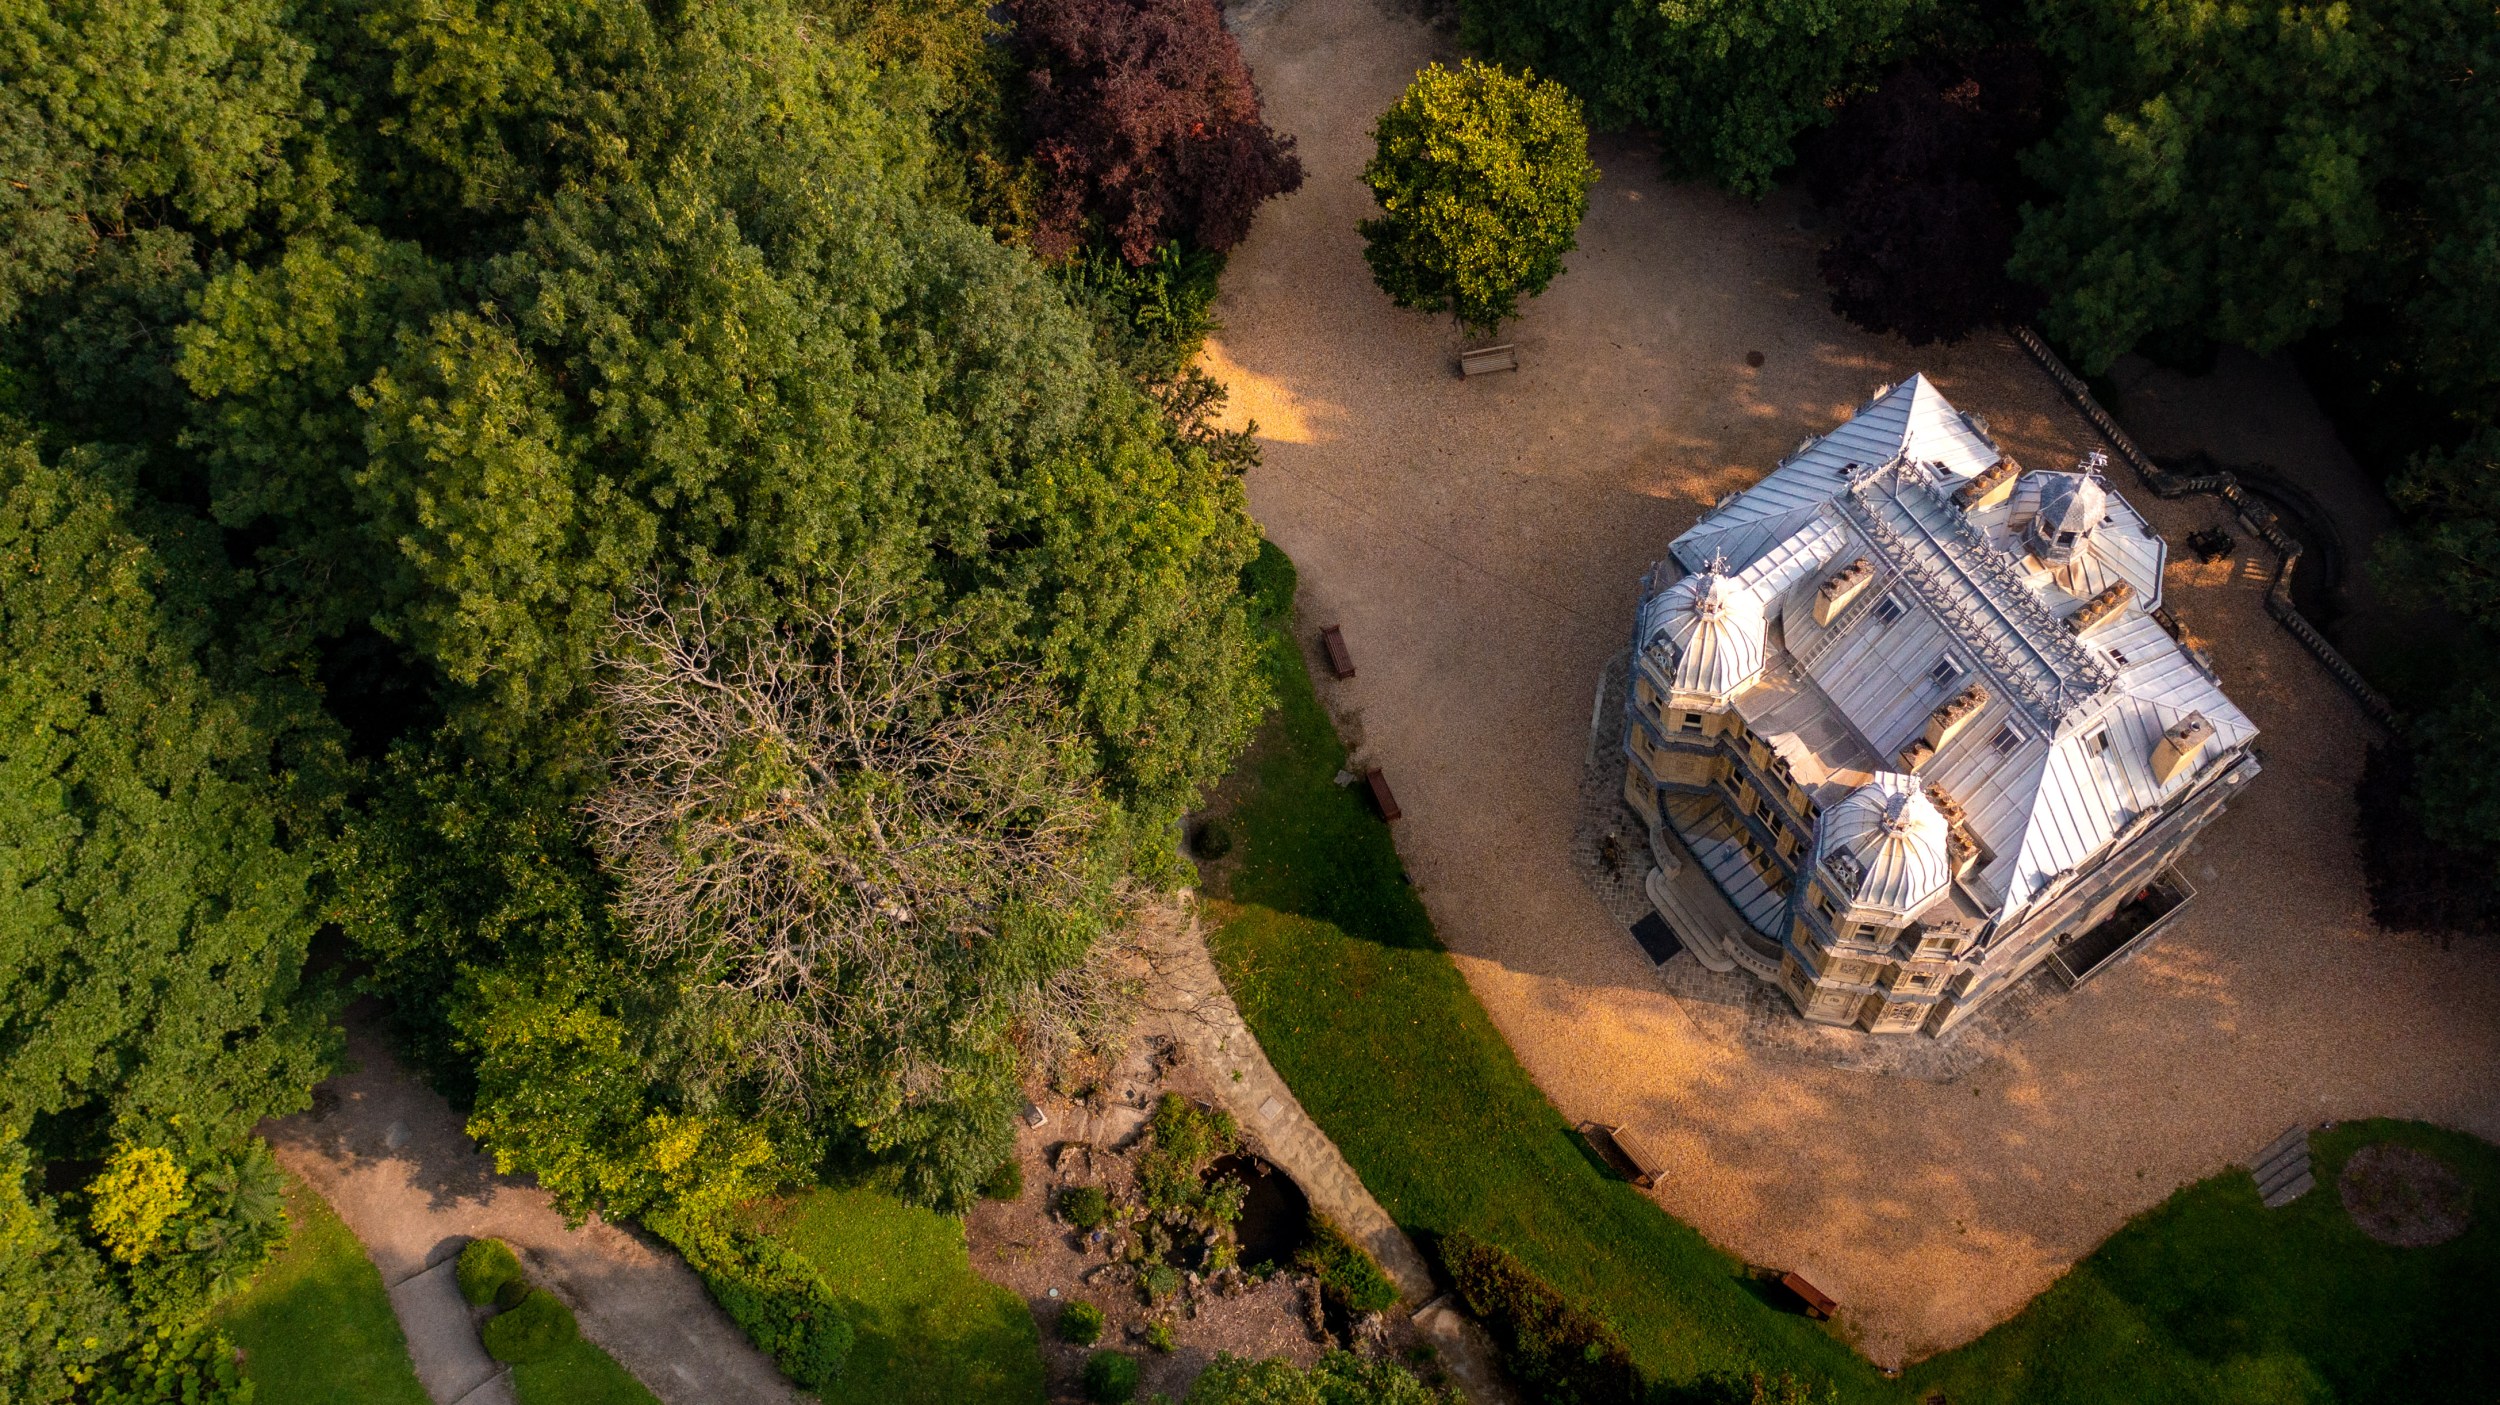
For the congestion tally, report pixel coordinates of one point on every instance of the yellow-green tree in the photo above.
(1482, 177)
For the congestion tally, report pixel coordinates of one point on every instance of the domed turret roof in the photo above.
(1884, 846)
(2071, 506)
(1716, 629)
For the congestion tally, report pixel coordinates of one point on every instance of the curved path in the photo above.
(1188, 997)
(391, 1157)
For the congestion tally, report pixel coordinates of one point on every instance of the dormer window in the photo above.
(2097, 743)
(1888, 610)
(1945, 671)
(2005, 740)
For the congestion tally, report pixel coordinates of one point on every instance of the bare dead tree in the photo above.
(873, 849)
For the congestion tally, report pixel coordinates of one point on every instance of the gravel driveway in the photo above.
(1481, 544)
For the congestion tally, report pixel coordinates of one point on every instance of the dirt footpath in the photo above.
(1481, 543)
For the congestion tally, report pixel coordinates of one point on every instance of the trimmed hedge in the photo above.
(533, 1329)
(1348, 1275)
(776, 1297)
(1557, 1352)
(487, 1270)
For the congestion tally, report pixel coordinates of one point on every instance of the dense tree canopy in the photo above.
(360, 364)
(1482, 177)
(2246, 172)
(1728, 85)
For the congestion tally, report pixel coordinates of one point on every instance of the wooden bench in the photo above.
(1631, 1157)
(1485, 360)
(1380, 793)
(1340, 662)
(1818, 1304)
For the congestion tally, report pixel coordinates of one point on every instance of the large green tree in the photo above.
(2246, 172)
(1728, 85)
(155, 914)
(410, 339)
(1482, 177)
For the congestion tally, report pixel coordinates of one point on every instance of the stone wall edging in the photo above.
(2256, 517)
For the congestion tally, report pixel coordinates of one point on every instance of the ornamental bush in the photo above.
(533, 1329)
(1111, 1378)
(1482, 177)
(1080, 1324)
(487, 1271)
(1086, 1206)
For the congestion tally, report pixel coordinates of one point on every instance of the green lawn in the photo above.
(317, 1326)
(581, 1374)
(2206, 1298)
(931, 1331)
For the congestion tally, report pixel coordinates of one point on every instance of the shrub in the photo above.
(533, 1329)
(1152, 318)
(1348, 1275)
(1184, 1140)
(1111, 1377)
(1086, 1206)
(194, 1369)
(487, 1270)
(1556, 1351)
(1159, 1334)
(1080, 1324)
(1482, 178)
(1004, 1183)
(1159, 1281)
(1145, 123)
(777, 1298)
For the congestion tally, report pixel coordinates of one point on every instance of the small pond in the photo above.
(1275, 1220)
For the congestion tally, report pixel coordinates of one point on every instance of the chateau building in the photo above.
(1905, 721)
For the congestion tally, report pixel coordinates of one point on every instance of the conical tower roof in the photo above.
(1715, 627)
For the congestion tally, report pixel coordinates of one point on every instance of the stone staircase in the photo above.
(2282, 1169)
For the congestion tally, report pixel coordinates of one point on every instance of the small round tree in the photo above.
(1482, 177)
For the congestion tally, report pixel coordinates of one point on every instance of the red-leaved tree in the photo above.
(1144, 118)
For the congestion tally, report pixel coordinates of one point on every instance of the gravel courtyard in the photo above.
(1481, 544)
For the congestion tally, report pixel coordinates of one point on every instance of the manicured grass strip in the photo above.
(2212, 1299)
(2207, 1299)
(581, 1374)
(316, 1325)
(931, 1331)
(1333, 961)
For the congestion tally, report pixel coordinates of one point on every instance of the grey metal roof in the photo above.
(2056, 766)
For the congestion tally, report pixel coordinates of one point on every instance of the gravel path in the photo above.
(390, 1156)
(1481, 543)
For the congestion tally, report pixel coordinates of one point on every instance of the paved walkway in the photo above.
(390, 1156)
(1186, 995)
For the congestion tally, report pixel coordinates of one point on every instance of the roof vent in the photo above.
(2100, 607)
(1846, 585)
(1994, 485)
(2179, 743)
